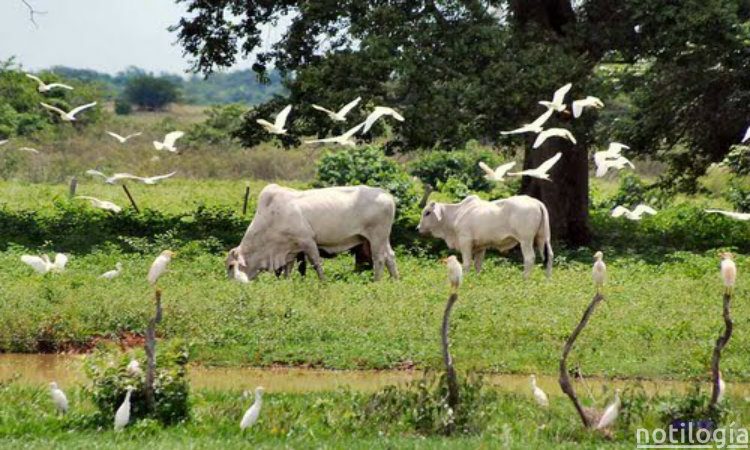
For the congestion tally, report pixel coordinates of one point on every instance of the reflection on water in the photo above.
(67, 370)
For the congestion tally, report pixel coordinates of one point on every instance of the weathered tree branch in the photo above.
(450, 371)
(32, 13)
(721, 342)
(565, 384)
(150, 347)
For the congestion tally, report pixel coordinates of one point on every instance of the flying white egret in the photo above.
(58, 398)
(455, 272)
(252, 413)
(558, 99)
(144, 180)
(340, 115)
(123, 139)
(556, 132)
(43, 87)
(728, 271)
(599, 271)
(277, 127)
(610, 413)
(134, 368)
(69, 116)
(588, 102)
(603, 164)
(159, 266)
(169, 141)
(533, 127)
(122, 416)
(101, 204)
(42, 264)
(499, 173)
(746, 136)
(636, 214)
(108, 275)
(346, 139)
(539, 395)
(541, 171)
(732, 214)
(28, 149)
(379, 112)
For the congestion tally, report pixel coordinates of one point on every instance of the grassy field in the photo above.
(337, 419)
(659, 320)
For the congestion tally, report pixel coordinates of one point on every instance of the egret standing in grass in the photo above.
(58, 398)
(539, 395)
(611, 413)
(455, 272)
(599, 272)
(108, 275)
(728, 271)
(159, 266)
(122, 416)
(252, 413)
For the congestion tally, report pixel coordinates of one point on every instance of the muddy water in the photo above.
(67, 371)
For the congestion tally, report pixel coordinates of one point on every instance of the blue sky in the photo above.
(105, 35)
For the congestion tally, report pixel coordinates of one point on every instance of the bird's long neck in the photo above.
(258, 399)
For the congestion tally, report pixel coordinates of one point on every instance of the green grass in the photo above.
(659, 320)
(321, 420)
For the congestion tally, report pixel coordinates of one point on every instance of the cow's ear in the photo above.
(438, 209)
(241, 260)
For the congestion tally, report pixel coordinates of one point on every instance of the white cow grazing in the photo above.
(333, 219)
(474, 225)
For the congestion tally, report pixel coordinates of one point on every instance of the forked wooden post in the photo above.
(130, 197)
(450, 371)
(73, 187)
(245, 200)
(150, 347)
(721, 342)
(565, 384)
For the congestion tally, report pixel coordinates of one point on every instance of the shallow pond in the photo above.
(39, 369)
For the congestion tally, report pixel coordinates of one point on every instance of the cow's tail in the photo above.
(547, 237)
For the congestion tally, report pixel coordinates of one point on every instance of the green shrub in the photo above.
(107, 370)
(453, 187)
(220, 127)
(150, 92)
(738, 159)
(123, 107)
(438, 167)
(369, 166)
(421, 406)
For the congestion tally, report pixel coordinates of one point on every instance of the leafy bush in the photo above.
(738, 159)
(453, 187)
(694, 406)
(107, 369)
(740, 197)
(369, 166)
(123, 107)
(150, 92)
(221, 125)
(421, 406)
(437, 167)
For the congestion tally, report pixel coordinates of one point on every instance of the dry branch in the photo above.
(450, 371)
(244, 202)
(32, 13)
(130, 197)
(565, 384)
(721, 342)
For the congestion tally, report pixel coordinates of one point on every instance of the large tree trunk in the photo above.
(567, 195)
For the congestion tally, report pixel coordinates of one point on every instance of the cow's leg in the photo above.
(390, 263)
(527, 249)
(302, 264)
(547, 255)
(478, 260)
(466, 254)
(288, 269)
(311, 250)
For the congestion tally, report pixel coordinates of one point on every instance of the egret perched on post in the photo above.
(122, 416)
(455, 272)
(252, 413)
(611, 413)
(728, 271)
(159, 266)
(539, 394)
(599, 272)
(58, 398)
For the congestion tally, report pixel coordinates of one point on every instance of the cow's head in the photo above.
(236, 260)
(432, 215)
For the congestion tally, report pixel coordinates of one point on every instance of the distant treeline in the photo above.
(240, 86)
